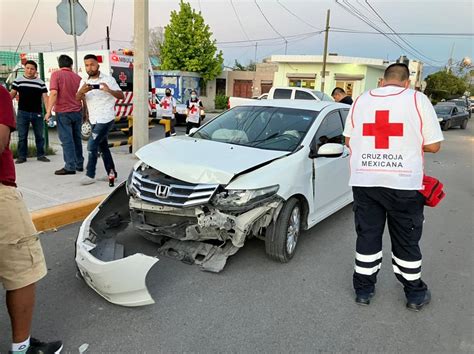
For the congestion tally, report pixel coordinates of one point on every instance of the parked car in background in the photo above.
(265, 170)
(450, 115)
(283, 93)
(463, 103)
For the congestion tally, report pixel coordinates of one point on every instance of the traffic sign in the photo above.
(67, 10)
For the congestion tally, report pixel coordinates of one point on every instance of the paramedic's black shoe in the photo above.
(413, 306)
(63, 172)
(37, 347)
(20, 160)
(43, 159)
(364, 300)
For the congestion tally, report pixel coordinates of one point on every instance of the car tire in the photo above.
(464, 124)
(447, 125)
(86, 130)
(282, 236)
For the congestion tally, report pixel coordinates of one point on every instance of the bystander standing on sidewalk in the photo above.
(194, 107)
(63, 87)
(168, 104)
(33, 93)
(22, 261)
(100, 92)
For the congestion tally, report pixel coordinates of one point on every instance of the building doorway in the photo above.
(243, 88)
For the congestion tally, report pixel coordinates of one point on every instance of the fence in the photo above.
(11, 67)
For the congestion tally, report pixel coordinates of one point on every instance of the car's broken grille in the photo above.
(157, 188)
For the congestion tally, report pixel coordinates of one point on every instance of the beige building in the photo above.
(251, 83)
(355, 75)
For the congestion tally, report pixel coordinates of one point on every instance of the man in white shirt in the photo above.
(388, 130)
(99, 92)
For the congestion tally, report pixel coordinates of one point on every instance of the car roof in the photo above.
(296, 104)
(445, 104)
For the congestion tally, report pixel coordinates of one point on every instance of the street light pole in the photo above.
(140, 75)
(325, 54)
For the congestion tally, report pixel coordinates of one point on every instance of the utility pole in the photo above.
(108, 38)
(286, 46)
(73, 28)
(450, 61)
(140, 74)
(325, 54)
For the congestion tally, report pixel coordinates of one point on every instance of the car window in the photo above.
(301, 95)
(330, 130)
(322, 96)
(455, 110)
(442, 109)
(269, 128)
(282, 94)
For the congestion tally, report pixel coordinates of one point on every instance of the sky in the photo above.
(295, 20)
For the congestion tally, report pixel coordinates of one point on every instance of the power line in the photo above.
(355, 12)
(356, 31)
(238, 19)
(295, 15)
(28, 25)
(395, 32)
(269, 23)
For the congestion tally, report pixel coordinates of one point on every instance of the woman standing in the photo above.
(194, 106)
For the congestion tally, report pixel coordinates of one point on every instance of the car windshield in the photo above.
(459, 103)
(269, 128)
(442, 109)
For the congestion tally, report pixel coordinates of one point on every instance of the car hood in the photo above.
(203, 161)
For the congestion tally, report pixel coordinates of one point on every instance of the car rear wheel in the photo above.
(86, 130)
(464, 124)
(282, 236)
(447, 125)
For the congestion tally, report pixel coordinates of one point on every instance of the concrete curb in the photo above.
(65, 214)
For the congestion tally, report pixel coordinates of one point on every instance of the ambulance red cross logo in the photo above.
(122, 77)
(382, 129)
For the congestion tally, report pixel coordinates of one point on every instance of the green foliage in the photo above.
(221, 101)
(444, 85)
(188, 46)
(31, 151)
(241, 67)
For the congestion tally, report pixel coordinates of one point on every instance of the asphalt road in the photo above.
(258, 305)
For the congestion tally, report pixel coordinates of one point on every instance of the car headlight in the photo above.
(440, 119)
(138, 166)
(232, 198)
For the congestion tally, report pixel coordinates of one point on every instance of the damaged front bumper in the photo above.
(99, 257)
(202, 235)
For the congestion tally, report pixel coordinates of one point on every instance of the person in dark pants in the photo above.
(33, 93)
(339, 95)
(388, 129)
(168, 105)
(194, 107)
(99, 92)
(63, 86)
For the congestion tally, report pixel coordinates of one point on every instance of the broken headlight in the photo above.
(231, 198)
(129, 185)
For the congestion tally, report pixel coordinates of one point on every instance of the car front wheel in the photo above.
(447, 125)
(86, 130)
(464, 124)
(282, 236)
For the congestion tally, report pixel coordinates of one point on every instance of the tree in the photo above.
(241, 67)
(444, 85)
(155, 40)
(188, 45)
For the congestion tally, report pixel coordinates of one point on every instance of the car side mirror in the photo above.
(330, 150)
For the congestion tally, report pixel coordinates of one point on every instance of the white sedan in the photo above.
(267, 169)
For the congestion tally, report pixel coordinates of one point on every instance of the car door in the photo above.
(331, 175)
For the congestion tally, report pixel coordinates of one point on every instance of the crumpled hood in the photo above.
(203, 161)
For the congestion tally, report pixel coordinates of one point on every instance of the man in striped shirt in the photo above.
(33, 93)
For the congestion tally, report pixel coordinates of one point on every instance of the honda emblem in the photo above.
(162, 191)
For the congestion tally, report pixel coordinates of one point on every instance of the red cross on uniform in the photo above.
(165, 104)
(382, 129)
(193, 110)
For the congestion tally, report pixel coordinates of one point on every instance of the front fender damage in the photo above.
(100, 259)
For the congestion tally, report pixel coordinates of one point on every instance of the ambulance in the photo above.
(118, 64)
